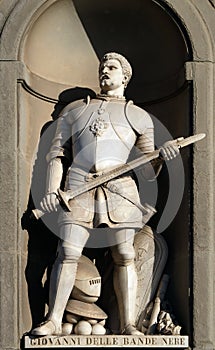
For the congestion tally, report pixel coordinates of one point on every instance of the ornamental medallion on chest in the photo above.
(98, 126)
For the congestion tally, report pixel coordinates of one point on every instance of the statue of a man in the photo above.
(99, 135)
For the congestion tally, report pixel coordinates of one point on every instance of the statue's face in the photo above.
(111, 75)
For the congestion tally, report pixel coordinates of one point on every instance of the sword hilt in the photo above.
(38, 213)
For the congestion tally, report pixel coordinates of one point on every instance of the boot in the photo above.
(61, 284)
(125, 285)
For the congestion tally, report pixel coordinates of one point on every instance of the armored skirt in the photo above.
(111, 204)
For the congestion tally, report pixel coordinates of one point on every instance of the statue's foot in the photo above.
(46, 328)
(131, 330)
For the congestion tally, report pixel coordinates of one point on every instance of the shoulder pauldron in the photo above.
(138, 118)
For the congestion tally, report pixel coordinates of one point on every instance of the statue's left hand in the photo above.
(169, 150)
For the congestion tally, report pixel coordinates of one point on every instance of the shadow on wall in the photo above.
(42, 243)
(147, 35)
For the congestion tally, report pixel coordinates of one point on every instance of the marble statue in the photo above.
(97, 135)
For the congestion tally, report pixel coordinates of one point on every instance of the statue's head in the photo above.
(119, 60)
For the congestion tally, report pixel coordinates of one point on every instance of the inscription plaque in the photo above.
(107, 341)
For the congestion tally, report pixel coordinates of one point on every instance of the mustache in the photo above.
(104, 76)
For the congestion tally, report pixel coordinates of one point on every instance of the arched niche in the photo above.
(160, 85)
(62, 48)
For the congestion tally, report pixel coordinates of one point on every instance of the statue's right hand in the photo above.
(50, 202)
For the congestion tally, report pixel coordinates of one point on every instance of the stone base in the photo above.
(149, 341)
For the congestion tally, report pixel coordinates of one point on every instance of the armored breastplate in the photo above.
(102, 136)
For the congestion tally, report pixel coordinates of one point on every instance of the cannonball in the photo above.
(67, 328)
(98, 329)
(72, 318)
(92, 321)
(83, 328)
(102, 322)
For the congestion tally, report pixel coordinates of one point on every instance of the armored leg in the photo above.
(125, 284)
(63, 277)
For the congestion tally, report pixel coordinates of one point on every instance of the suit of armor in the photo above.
(100, 135)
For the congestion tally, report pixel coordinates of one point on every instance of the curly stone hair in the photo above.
(126, 67)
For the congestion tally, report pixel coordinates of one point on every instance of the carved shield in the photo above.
(151, 255)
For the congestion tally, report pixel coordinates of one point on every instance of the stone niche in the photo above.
(49, 48)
